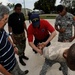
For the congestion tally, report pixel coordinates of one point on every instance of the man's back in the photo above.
(56, 52)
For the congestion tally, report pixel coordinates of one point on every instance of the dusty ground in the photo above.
(35, 62)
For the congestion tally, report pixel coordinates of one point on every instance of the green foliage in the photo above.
(45, 16)
(46, 5)
(10, 5)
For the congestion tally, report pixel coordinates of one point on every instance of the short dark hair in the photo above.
(71, 54)
(60, 8)
(17, 5)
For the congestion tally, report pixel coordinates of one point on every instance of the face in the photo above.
(63, 12)
(3, 21)
(18, 9)
(36, 26)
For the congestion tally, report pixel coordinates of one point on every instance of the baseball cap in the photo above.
(35, 20)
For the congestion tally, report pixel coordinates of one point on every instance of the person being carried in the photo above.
(64, 56)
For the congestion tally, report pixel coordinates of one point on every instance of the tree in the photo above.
(10, 5)
(70, 4)
(46, 5)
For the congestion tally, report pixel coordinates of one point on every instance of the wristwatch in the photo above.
(10, 33)
(14, 46)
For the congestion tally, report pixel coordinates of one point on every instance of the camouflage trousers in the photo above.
(48, 63)
(17, 70)
(20, 43)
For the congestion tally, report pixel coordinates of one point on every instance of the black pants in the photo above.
(36, 41)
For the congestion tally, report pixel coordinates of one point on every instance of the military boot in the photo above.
(25, 57)
(21, 61)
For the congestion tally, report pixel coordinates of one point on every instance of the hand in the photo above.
(40, 51)
(16, 50)
(71, 39)
(40, 46)
(44, 44)
(62, 30)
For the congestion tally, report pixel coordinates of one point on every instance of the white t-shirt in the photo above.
(56, 52)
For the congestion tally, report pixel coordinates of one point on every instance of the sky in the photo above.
(28, 3)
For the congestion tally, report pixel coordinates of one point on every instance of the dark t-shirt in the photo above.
(16, 21)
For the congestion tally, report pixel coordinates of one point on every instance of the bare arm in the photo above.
(61, 30)
(73, 37)
(15, 48)
(25, 27)
(4, 71)
(10, 31)
(53, 34)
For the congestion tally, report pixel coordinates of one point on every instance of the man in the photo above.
(63, 24)
(57, 54)
(8, 62)
(16, 26)
(42, 32)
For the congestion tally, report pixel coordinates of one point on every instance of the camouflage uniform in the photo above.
(54, 54)
(20, 43)
(66, 22)
(48, 63)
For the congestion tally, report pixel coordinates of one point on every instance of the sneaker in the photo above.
(26, 71)
(21, 61)
(25, 57)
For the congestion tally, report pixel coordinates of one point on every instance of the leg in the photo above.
(19, 43)
(24, 46)
(48, 63)
(20, 52)
(18, 71)
(64, 68)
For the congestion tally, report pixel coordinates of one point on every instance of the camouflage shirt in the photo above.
(66, 21)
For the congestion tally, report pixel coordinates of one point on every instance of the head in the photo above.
(18, 8)
(70, 57)
(61, 9)
(35, 20)
(4, 13)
